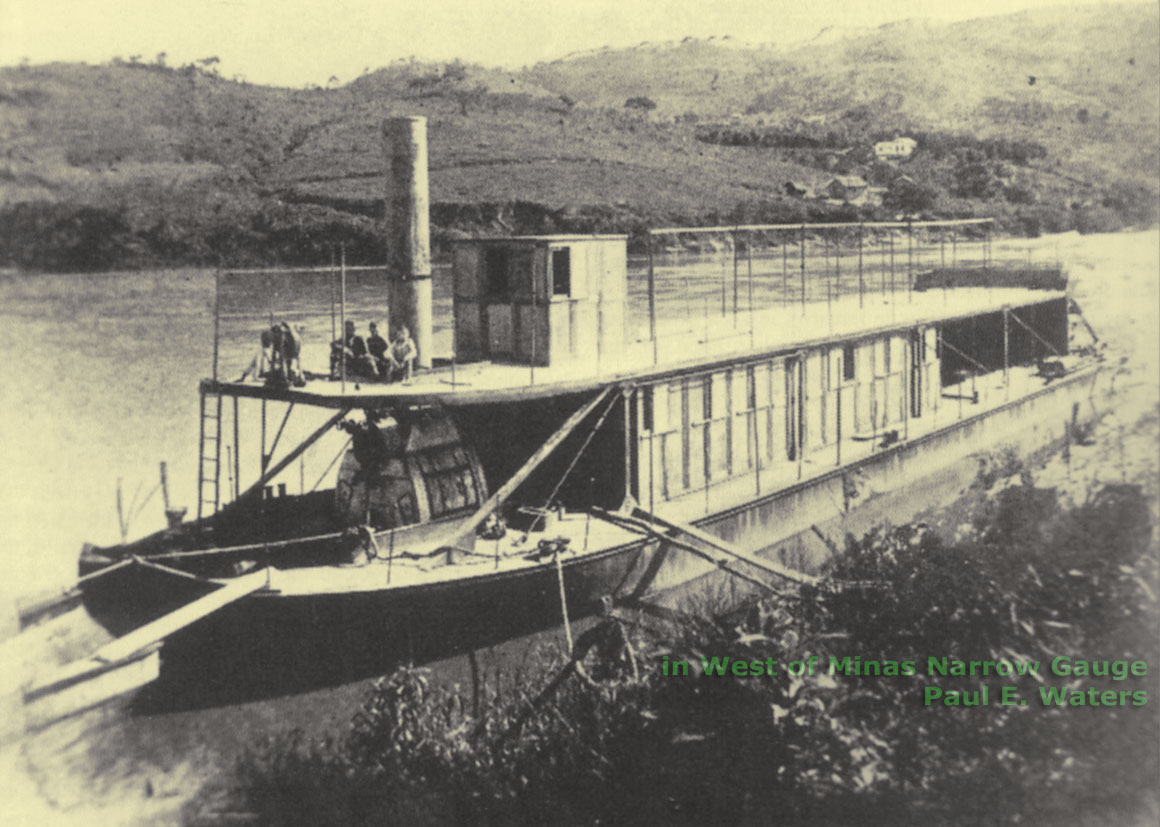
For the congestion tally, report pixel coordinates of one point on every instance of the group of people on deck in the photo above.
(279, 362)
(373, 358)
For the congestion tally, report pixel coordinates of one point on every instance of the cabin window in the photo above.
(707, 398)
(848, 363)
(495, 271)
(646, 409)
(562, 272)
(449, 478)
(751, 388)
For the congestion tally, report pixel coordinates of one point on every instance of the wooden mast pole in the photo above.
(293, 455)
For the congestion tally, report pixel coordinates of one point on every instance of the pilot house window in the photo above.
(562, 272)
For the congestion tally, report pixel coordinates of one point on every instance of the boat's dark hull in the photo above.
(271, 643)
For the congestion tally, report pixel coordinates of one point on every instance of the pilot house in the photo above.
(539, 300)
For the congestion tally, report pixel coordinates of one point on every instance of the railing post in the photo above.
(802, 245)
(217, 299)
(861, 283)
(342, 314)
(1006, 346)
(237, 453)
(652, 300)
(749, 269)
(910, 259)
(736, 299)
(785, 271)
(535, 321)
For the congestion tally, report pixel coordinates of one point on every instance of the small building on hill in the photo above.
(898, 149)
(845, 188)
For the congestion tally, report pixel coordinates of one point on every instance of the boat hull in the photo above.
(273, 643)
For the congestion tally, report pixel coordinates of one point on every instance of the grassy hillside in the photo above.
(138, 164)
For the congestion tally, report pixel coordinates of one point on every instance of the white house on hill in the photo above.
(898, 149)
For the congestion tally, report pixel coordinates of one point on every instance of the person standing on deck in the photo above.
(351, 350)
(377, 348)
(291, 354)
(401, 356)
(260, 365)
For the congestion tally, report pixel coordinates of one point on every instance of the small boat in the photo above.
(557, 461)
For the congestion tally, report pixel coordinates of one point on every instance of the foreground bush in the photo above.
(606, 737)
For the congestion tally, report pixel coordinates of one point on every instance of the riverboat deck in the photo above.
(681, 344)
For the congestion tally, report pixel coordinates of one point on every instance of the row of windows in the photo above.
(710, 427)
(721, 424)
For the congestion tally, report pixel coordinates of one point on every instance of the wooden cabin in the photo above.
(540, 300)
(708, 427)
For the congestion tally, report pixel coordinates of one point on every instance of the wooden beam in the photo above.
(716, 542)
(469, 525)
(1031, 330)
(293, 455)
(166, 625)
(640, 527)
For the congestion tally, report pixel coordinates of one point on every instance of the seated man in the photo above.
(351, 351)
(401, 356)
(377, 348)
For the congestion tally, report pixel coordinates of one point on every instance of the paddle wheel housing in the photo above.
(414, 470)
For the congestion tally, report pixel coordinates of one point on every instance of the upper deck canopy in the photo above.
(679, 347)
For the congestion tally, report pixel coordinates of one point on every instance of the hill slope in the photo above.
(144, 164)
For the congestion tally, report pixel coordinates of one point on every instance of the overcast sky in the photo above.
(295, 42)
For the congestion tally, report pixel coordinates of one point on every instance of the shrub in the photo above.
(607, 738)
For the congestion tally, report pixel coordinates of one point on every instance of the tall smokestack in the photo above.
(408, 231)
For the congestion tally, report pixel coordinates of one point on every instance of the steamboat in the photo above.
(560, 457)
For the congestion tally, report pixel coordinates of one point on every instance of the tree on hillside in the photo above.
(640, 104)
(904, 195)
(975, 177)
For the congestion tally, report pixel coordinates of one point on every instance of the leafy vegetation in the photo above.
(606, 737)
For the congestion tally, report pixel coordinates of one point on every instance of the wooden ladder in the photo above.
(209, 465)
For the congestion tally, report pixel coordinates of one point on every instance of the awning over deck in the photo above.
(683, 345)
